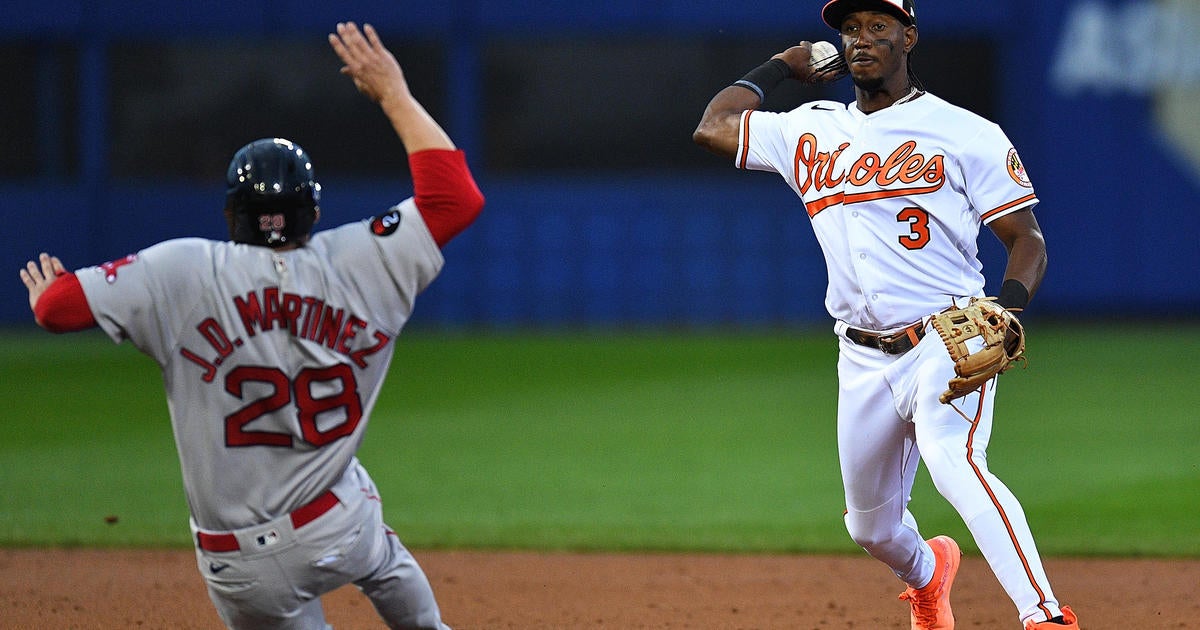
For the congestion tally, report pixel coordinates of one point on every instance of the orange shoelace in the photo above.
(925, 610)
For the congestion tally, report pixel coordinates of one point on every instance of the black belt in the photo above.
(895, 343)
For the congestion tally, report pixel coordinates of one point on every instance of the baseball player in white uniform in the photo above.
(896, 185)
(273, 348)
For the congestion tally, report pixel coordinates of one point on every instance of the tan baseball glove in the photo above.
(1003, 343)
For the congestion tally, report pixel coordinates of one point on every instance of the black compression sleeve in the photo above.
(765, 78)
(1013, 295)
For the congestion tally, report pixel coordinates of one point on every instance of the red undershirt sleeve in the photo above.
(445, 192)
(63, 307)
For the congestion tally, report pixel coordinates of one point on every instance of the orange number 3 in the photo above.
(918, 225)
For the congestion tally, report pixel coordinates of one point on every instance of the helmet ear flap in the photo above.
(271, 196)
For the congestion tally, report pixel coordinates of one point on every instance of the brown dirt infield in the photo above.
(84, 588)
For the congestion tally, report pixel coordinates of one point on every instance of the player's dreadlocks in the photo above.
(913, 79)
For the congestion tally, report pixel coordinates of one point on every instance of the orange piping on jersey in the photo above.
(745, 139)
(991, 213)
(815, 207)
(888, 194)
(999, 508)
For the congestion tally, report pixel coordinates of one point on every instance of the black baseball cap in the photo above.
(836, 10)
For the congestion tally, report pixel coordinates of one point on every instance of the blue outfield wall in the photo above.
(1111, 144)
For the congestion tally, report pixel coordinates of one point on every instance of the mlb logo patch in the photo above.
(267, 539)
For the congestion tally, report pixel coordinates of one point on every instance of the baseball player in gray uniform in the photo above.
(896, 185)
(273, 348)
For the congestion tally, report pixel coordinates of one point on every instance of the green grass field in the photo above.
(719, 441)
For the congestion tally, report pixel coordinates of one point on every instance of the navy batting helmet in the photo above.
(271, 196)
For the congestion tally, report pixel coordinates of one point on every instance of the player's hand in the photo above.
(798, 58)
(375, 71)
(39, 275)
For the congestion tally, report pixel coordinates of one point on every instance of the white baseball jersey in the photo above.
(896, 198)
(272, 360)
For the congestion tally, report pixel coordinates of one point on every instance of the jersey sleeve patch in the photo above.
(386, 223)
(1016, 169)
(110, 268)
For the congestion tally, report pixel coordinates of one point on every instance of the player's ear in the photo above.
(910, 38)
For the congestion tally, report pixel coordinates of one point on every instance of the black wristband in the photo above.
(765, 78)
(1013, 295)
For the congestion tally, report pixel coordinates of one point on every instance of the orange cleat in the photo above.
(1070, 622)
(931, 603)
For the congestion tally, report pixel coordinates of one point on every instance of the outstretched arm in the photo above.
(445, 192)
(55, 296)
(39, 275)
(377, 74)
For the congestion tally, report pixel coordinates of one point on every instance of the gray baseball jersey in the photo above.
(272, 360)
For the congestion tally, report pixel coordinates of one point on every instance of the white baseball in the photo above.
(821, 52)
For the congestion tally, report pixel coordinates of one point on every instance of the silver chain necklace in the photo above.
(913, 92)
